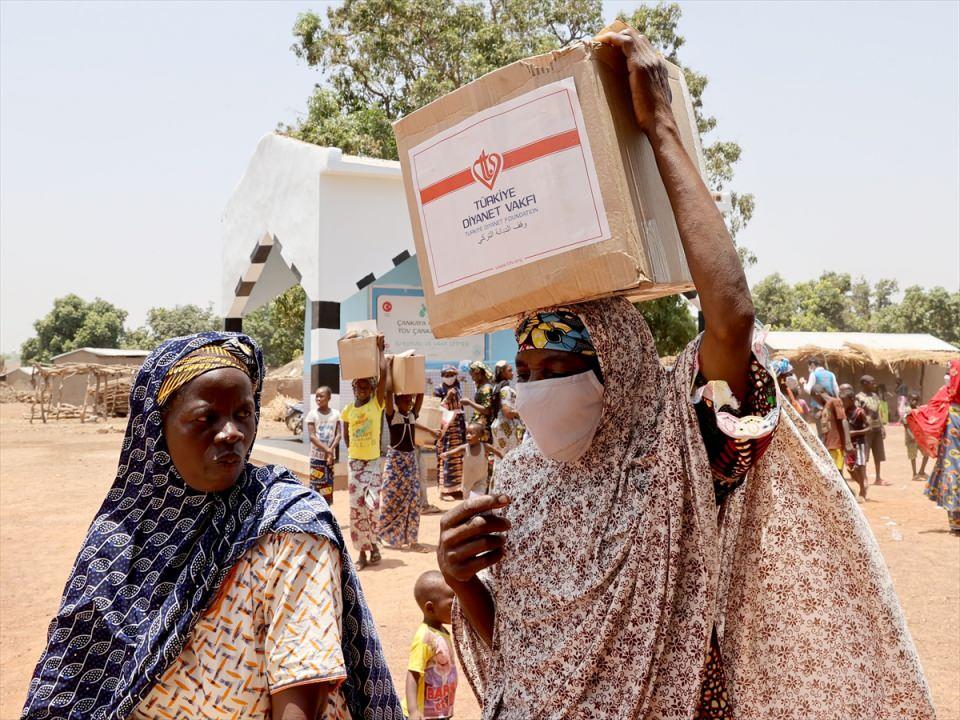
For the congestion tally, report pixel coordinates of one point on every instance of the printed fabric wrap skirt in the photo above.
(364, 489)
(321, 478)
(943, 487)
(451, 468)
(399, 520)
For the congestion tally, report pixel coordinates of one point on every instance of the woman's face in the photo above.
(507, 373)
(478, 376)
(533, 365)
(210, 424)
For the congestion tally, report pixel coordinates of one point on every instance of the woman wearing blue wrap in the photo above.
(205, 585)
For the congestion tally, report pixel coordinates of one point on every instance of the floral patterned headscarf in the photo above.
(478, 365)
(554, 330)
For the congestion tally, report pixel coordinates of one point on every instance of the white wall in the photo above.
(336, 217)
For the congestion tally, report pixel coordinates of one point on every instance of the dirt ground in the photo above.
(53, 478)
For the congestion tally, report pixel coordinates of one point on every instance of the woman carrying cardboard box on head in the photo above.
(633, 570)
(399, 521)
(362, 420)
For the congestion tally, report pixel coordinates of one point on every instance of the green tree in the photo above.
(163, 323)
(74, 323)
(775, 302)
(670, 321)
(385, 58)
(835, 303)
(278, 326)
(935, 311)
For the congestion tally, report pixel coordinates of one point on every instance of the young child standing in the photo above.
(475, 460)
(431, 685)
(399, 521)
(832, 428)
(323, 427)
(910, 441)
(361, 421)
(859, 426)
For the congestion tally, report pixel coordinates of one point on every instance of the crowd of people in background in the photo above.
(852, 425)
(387, 473)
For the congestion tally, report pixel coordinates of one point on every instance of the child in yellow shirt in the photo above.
(431, 672)
(361, 421)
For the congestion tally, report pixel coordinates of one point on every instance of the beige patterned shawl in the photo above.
(612, 579)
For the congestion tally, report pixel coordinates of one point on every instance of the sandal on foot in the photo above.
(362, 562)
(375, 556)
(430, 510)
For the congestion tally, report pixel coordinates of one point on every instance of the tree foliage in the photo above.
(670, 322)
(382, 59)
(278, 326)
(835, 302)
(163, 323)
(74, 323)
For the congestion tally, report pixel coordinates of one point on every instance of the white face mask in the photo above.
(562, 414)
(448, 381)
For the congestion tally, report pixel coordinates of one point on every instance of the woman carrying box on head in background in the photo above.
(399, 519)
(207, 587)
(453, 433)
(635, 571)
(362, 420)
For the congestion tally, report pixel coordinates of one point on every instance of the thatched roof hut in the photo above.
(920, 360)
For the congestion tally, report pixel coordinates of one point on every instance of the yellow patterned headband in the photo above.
(205, 359)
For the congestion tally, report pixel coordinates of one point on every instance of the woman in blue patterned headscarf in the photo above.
(205, 585)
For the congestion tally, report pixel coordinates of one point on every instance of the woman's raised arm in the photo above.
(714, 263)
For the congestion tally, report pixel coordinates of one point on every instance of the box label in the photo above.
(510, 185)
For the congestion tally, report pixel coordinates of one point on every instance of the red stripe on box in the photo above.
(511, 158)
(541, 148)
(446, 186)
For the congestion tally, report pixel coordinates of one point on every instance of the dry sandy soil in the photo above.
(53, 478)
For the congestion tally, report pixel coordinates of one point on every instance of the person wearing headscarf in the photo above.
(206, 586)
(936, 428)
(454, 432)
(482, 397)
(506, 430)
(670, 544)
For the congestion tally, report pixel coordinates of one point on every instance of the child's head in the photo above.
(362, 390)
(474, 433)
(819, 394)
(847, 396)
(404, 403)
(914, 399)
(322, 396)
(434, 597)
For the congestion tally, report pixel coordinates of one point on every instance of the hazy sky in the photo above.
(124, 128)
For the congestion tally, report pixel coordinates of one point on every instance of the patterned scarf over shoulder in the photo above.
(617, 569)
(158, 551)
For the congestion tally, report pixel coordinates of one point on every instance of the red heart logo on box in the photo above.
(486, 168)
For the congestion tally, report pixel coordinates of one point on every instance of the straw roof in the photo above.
(879, 349)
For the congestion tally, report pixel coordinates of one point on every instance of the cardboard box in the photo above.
(359, 355)
(409, 372)
(533, 186)
(430, 416)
